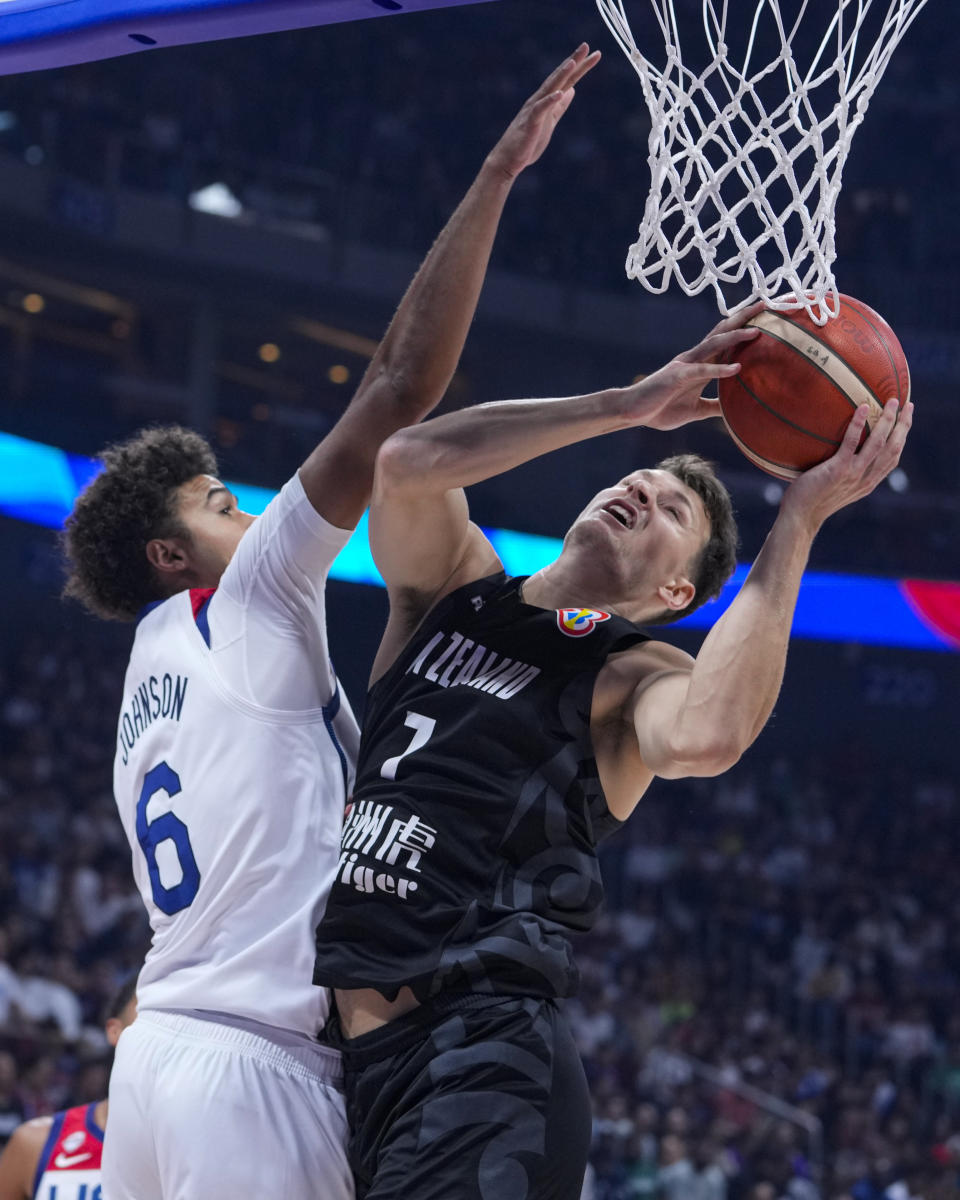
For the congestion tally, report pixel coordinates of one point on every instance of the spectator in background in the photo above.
(676, 1178)
(747, 1012)
(748, 1021)
(9, 982)
(46, 995)
(11, 1106)
(53, 1154)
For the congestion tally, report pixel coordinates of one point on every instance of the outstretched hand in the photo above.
(851, 474)
(529, 133)
(673, 396)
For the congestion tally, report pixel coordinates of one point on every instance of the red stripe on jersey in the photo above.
(198, 598)
(80, 1144)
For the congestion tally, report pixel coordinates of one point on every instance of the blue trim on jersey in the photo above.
(92, 1127)
(48, 1146)
(40, 483)
(329, 714)
(148, 608)
(203, 621)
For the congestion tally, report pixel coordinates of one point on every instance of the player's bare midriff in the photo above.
(362, 1010)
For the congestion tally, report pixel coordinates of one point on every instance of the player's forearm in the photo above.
(420, 350)
(422, 346)
(737, 674)
(463, 448)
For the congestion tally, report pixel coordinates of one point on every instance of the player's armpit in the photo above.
(624, 773)
(424, 550)
(676, 740)
(421, 535)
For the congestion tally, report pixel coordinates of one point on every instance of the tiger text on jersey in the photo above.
(372, 829)
(490, 813)
(151, 700)
(466, 663)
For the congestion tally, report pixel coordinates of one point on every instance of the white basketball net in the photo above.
(746, 156)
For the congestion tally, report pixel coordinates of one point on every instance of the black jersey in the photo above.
(469, 849)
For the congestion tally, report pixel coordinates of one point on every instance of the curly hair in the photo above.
(130, 502)
(716, 561)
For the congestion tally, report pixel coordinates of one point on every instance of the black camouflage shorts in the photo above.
(467, 1098)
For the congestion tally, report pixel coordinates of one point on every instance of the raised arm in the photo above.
(699, 721)
(415, 362)
(420, 532)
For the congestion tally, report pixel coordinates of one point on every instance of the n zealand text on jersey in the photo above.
(154, 699)
(469, 852)
(454, 660)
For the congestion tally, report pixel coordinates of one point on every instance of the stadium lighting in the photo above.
(217, 200)
(898, 480)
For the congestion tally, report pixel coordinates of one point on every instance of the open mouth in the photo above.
(621, 512)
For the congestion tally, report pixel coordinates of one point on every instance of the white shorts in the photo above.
(205, 1111)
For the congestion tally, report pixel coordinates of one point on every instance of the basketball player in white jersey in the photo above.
(235, 747)
(59, 1157)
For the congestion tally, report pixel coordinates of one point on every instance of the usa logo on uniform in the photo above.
(578, 622)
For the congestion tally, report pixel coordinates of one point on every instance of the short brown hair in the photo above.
(715, 563)
(130, 502)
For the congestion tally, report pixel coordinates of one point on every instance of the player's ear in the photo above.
(167, 555)
(113, 1028)
(676, 594)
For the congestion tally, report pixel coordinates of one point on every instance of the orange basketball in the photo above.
(800, 383)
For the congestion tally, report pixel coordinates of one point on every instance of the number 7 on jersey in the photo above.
(422, 728)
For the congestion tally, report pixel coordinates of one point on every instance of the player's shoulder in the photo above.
(154, 615)
(37, 1128)
(27, 1141)
(626, 670)
(413, 610)
(292, 504)
(289, 541)
(649, 658)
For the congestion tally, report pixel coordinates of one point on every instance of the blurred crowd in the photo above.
(790, 931)
(768, 1009)
(71, 924)
(377, 128)
(370, 131)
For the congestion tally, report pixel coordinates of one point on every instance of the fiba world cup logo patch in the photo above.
(578, 622)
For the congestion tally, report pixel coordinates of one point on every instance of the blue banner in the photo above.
(40, 483)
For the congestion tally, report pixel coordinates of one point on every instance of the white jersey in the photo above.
(235, 749)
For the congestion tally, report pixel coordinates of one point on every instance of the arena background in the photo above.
(769, 1006)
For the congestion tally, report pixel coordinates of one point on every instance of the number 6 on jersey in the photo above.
(166, 827)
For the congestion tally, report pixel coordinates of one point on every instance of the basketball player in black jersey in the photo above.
(511, 723)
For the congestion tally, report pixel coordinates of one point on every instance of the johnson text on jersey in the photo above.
(154, 699)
